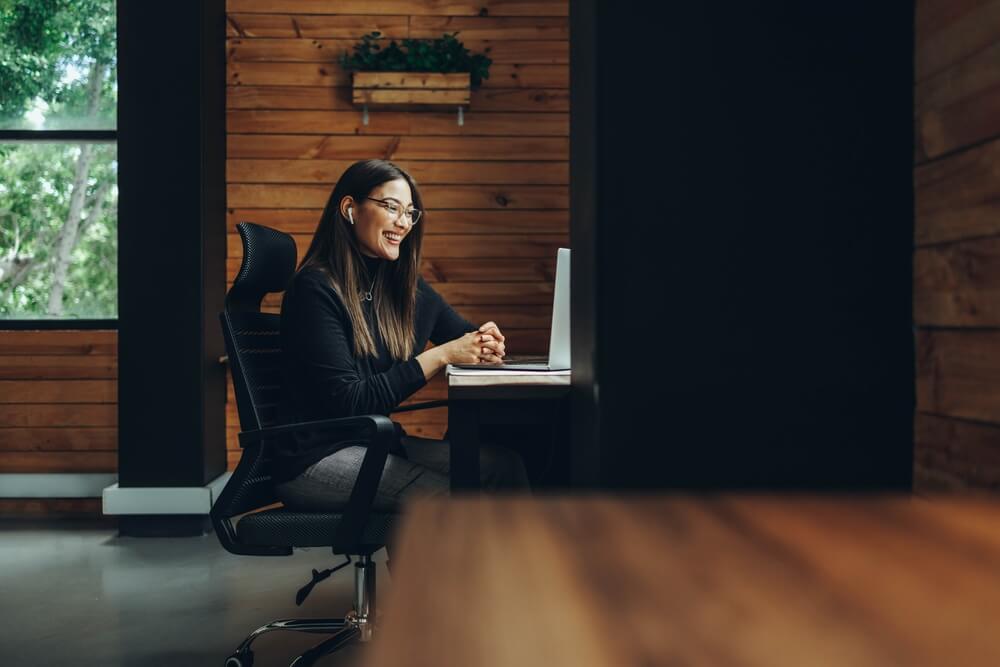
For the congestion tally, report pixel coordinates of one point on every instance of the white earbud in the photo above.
(350, 215)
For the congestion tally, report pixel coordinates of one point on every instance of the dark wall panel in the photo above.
(753, 245)
(171, 245)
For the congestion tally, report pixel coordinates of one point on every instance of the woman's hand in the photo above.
(491, 328)
(492, 351)
(474, 348)
(485, 346)
(491, 333)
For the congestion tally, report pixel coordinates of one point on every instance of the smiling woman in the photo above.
(355, 322)
(357, 223)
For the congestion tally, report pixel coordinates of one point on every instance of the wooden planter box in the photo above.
(410, 89)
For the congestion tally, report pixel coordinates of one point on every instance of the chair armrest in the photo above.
(344, 428)
(377, 432)
(427, 405)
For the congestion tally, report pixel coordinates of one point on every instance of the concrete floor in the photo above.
(73, 593)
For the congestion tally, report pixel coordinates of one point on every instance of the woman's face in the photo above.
(379, 232)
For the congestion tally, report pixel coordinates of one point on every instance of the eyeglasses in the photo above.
(396, 210)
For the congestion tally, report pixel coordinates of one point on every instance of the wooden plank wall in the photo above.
(496, 189)
(957, 238)
(58, 410)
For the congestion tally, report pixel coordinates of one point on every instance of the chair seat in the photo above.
(280, 527)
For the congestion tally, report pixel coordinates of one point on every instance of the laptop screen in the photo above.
(559, 338)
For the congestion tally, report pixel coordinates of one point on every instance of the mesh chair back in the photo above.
(254, 348)
(255, 361)
(252, 337)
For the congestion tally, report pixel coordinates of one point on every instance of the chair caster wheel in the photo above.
(244, 659)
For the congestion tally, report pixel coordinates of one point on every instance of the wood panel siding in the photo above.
(496, 188)
(302, 98)
(52, 508)
(58, 404)
(956, 196)
(524, 52)
(307, 147)
(956, 285)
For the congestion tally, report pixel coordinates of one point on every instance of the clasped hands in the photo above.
(483, 346)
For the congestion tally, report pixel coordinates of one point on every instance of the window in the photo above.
(58, 163)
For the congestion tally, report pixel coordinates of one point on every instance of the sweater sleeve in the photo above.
(317, 335)
(448, 324)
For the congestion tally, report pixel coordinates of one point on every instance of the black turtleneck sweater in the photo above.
(323, 378)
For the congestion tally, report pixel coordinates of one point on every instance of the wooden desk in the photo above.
(804, 582)
(472, 401)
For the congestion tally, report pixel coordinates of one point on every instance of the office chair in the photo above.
(244, 517)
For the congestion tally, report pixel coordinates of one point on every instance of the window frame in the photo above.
(60, 137)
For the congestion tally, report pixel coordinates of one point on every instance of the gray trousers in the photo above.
(327, 484)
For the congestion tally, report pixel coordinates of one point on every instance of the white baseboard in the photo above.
(163, 500)
(55, 485)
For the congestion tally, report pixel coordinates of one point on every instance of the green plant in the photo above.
(446, 54)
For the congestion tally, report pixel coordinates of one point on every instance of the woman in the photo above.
(354, 323)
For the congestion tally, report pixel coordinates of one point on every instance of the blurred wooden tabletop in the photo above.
(722, 580)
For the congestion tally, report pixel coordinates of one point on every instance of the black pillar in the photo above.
(742, 226)
(171, 129)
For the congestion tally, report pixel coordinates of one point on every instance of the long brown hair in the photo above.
(334, 250)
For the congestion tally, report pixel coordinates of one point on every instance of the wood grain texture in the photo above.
(48, 367)
(522, 52)
(351, 27)
(956, 279)
(53, 508)
(58, 391)
(58, 406)
(414, 7)
(425, 173)
(960, 106)
(339, 99)
(410, 100)
(951, 31)
(958, 284)
(315, 26)
(506, 28)
(734, 581)
(958, 197)
(63, 439)
(958, 373)
(58, 342)
(307, 147)
(412, 91)
(955, 455)
(433, 123)
(32, 415)
(458, 81)
(65, 461)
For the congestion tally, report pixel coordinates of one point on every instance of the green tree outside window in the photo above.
(58, 200)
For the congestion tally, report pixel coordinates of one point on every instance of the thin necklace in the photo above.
(368, 295)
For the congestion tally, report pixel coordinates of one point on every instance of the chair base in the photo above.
(357, 625)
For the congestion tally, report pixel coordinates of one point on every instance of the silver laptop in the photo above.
(559, 354)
